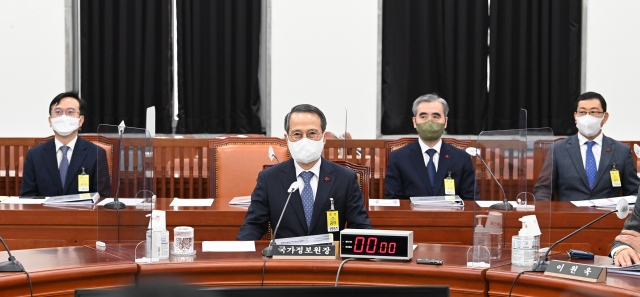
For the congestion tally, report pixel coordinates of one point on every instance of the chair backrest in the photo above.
(12, 155)
(363, 174)
(234, 164)
(110, 145)
(181, 167)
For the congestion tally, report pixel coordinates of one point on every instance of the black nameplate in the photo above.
(590, 273)
(294, 251)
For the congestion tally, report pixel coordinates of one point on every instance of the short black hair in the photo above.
(589, 96)
(306, 108)
(73, 95)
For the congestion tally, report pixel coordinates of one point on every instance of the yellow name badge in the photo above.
(449, 185)
(615, 178)
(83, 182)
(333, 223)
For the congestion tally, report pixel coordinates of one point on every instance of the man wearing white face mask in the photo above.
(55, 167)
(582, 166)
(319, 180)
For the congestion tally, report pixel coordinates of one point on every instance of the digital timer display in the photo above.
(364, 245)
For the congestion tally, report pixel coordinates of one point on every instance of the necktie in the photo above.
(307, 196)
(64, 165)
(431, 167)
(590, 165)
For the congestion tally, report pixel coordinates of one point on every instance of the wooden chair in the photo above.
(234, 163)
(370, 153)
(12, 154)
(110, 145)
(181, 167)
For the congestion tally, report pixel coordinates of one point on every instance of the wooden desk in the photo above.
(537, 284)
(222, 222)
(59, 271)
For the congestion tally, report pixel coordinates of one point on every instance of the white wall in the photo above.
(324, 52)
(613, 63)
(32, 64)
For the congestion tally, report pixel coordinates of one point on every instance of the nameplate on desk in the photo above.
(303, 252)
(571, 270)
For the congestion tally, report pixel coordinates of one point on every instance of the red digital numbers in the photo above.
(372, 246)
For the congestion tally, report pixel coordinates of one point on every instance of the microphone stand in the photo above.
(12, 265)
(504, 205)
(268, 252)
(542, 264)
(116, 204)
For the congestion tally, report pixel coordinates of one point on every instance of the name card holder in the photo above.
(304, 252)
(571, 270)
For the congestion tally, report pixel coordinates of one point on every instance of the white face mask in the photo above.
(306, 150)
(588, 125)
(65, 125)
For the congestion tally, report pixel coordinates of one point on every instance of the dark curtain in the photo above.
(434, 46)
(126, 62)
(535, 63)
(218, 54)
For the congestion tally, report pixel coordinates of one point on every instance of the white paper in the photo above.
(307, 240)
(191, 202)
(384, 202)
(126, 201)
(240, 200)
(489, 203)
(228, 246)
(18, 200)
(604, 202)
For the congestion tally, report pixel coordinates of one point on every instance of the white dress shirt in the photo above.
(71, 145)
(597, 149)
(314, 179)
(436, 156)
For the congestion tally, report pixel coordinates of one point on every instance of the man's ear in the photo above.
(413, 119)
(446, 120)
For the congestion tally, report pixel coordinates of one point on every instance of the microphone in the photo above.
(12, 265)
(636, 149)
(272, 154)
(116, 204)
(267, 252)
(622, 210)
(504, 205)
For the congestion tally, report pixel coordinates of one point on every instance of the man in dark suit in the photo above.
(581, 167)
(55, 167)
(420, 168)
(626, 247)
(318, 180)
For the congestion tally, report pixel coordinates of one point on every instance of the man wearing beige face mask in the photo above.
(420, 168)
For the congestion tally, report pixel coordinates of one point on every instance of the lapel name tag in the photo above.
(571, 270)
(293, 251)
(83, 182)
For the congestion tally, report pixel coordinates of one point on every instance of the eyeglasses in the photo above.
(596, 114)
(58, 112)
(311, 134)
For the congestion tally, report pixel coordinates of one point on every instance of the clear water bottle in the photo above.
(494, 227)
(495, 247)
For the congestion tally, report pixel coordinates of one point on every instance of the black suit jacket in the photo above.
(563, 172)
(41, 176)
(407, 175)
(270, 194)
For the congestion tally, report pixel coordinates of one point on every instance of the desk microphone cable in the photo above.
(18, 264)
(514, 280)
(340, 268)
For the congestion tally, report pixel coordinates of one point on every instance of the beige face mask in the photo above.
(430, 130)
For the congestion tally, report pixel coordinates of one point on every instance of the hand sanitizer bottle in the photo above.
(526, 245)
(480, 239)
(157, 236)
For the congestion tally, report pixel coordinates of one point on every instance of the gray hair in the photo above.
(430, 98)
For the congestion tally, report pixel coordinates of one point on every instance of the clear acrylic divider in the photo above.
(508, 157)
(123, 217)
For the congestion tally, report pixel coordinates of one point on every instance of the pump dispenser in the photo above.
(157, 236)
(480, 234)
(526, 245)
